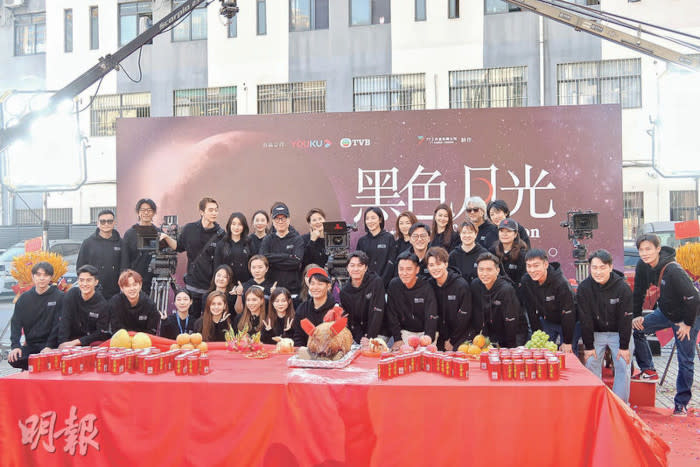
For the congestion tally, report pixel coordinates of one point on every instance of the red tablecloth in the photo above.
(259, 412)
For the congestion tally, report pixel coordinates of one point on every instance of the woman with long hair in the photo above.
(223, 281)
(511, 251)
(253, 313)
(234, 250)
(215, 319)
(261, 227)
(378, 244)
(280, 316)
(443, 233)
(403, 224)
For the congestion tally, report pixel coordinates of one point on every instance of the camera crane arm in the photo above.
(591, 24)
(106, 64)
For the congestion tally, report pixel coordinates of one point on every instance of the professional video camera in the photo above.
(337, 237)
(580, 226)
(163, 259)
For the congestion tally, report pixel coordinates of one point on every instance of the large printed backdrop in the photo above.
(543, 161)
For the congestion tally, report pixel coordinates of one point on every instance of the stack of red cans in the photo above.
(447, 364)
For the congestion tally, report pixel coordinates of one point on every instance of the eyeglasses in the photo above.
(419, 236)
(472, 209)
(106, 221)
(146, 211)
(279, 220)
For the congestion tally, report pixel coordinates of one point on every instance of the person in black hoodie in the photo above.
(678, 308)
(36, 312)
(215, 319)
(103, 250)
(261, 227)
(411, 308)
(403, 224)
(443, 231)
(180, 321)
(605, 305)
(454, 299)
(85, 317)
(233, 250)
(316, 307)
(495, 299)
(420, 240)
(139, 260)
(199, 240)
(379, 245)
(284, 249)
(253, 314)
(476, 212)
(497, 210)
(314, 241)
(362, 298)
(511, 251)
(463, 258)
(279, 319)
(549, 300)
(132, 309)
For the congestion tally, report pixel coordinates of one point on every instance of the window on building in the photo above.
(192, 27)
(453, 9)
(289, 98)
(420, 13)
(68, 30)
(261, 15)
(603, 82)
(632, 214)
(233, 27)
(365, 12)
(96, 210)
(134, 18)
(389, 92)
(490, 87)
(30, 34)
(307, 15)
(684, 205)
(105, 110)
(94, 28)
(53, 215)
(492, 7)
(204, 101)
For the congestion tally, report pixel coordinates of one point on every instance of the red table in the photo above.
(259, 412)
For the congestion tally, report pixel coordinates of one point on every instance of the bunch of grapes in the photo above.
(540, 340)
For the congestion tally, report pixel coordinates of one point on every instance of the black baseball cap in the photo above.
(279, 209)
(509, 224)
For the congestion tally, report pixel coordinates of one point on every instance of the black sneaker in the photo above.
(646, 376)
(680, 411)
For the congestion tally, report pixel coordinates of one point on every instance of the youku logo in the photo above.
(347, 142)
(311, 143)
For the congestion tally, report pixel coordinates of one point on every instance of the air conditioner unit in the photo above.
(12, 3)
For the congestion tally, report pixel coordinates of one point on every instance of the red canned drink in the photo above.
(460, 368)
(507, 369)
(541, 369)
(527, 354)
(117, 364)
(56, 360)
(447, 365)
(102, 363)
(519, 369)
(495, 369)
(382, 370)
(427, 362)
(44, 361)
(484, 361)
(193, 364)
(151, 365)
(68, 363)
(537, 354)
(386, 355)
(553, 368)
(141, 361)
(562, 360)
(180, 365)
(400, 365)
(34, 364)
(390, 367)
(530, 369)
(203, 364)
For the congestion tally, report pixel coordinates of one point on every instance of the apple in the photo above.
(414, 341)
(431, 348)
(406, 349)
(425, 340)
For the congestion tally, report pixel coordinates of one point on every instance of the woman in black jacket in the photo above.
(379, 245)
(403, 224)
(280, 316)
(179, 322)
(442, 231)
(511, 251)
(234, 250)
(215, 319)
(261, 227)
(463, 258)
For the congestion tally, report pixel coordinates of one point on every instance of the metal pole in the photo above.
(44, 222)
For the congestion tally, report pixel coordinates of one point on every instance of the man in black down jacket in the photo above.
(103, 250)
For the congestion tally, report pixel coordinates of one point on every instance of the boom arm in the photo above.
(591, 26)
(107, 64)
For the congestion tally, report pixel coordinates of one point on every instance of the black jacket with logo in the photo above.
(200, 245)
(454, 299)
(413, 309)
(38, 315)
(553, 301)
(440, 238)
(487, 234)
(106, 255)
(465, 262)
(364, 306)
(284, 255)
(87, 320)
(605, 308)
(504, 322)
(137, 260)
(381, 249)
(143, 317)
(236, 256)
(314, 251)
(315, 315)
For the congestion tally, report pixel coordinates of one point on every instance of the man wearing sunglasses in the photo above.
(103, 249)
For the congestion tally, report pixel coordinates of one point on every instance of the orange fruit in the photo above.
(182, 339)
(464, 348)
(474, 350)
(479, 341)
(203, 347)
(174, 347)
(196, 338)
(187, 347)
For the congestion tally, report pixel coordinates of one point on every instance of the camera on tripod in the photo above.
(164, 259)
(580, 225)
(337, 237)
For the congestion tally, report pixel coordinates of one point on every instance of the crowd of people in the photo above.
(450, 284)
